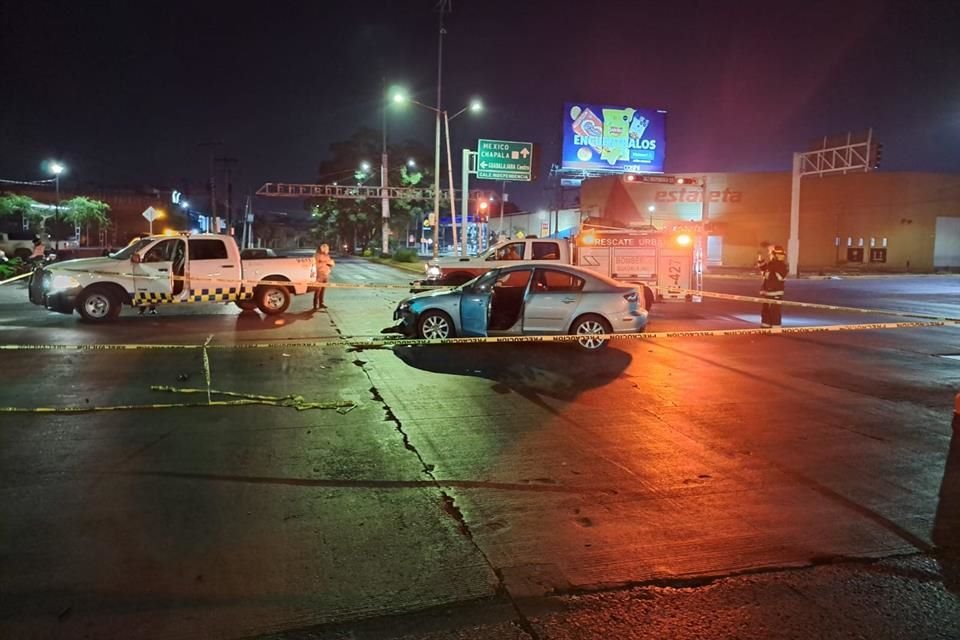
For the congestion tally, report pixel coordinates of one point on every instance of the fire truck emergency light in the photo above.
(683, 240)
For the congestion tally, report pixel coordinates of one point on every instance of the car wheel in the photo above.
(591, 326)
(272, 299)
(97, 304)
(435, 324)
(248, 304)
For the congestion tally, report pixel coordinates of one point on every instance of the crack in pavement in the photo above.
(450, 507)
(448, 502)
(706, 580)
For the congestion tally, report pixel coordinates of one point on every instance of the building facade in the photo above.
(878, 220)
(126, 219)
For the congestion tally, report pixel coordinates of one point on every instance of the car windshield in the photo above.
(482, 282)
(129, 250)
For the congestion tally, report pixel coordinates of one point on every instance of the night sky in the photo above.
(126, 92)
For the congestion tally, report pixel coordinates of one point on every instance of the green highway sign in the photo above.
(504, 160)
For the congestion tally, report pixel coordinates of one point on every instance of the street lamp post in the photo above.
(475, 105)
(56, 169)
(384, 200)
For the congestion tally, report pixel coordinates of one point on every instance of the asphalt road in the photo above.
(756, 486)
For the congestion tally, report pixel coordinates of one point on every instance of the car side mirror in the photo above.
(136, 259)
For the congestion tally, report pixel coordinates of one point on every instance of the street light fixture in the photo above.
(56, 168)
(365, 166)
(412, 163)
(475, 105)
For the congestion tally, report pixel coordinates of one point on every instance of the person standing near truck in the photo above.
(773, 269)
(325, 265)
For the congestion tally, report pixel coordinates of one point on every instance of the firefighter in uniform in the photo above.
(773, 269)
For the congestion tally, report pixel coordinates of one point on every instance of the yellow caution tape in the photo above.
(668, 289)
(807, 305)
(206, 364)
(15, 278)
(242, 400)
(223, 284)
(347, 341)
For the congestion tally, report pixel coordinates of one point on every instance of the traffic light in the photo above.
(876, 152)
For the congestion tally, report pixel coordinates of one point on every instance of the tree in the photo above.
(14, 204)
(357, 222)
(83, 211)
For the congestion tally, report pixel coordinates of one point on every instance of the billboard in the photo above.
(613, 139)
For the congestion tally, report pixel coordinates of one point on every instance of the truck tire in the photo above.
(247, 305)
(591, 324)
(272, 298)
(98, 304)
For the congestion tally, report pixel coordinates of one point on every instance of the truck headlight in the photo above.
(60, 282)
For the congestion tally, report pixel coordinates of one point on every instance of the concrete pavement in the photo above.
(496, 480)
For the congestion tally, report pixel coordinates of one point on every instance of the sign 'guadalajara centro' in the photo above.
(613, 139)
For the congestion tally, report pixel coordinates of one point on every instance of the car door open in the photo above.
(154, 271)
(475, 304)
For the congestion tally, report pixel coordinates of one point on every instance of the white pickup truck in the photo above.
(14, 248)
(453, 271)
(186, 269)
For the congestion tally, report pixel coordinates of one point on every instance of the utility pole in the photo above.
(384, 182)
(465, 202)
(503, 202)
(227, 164)
(453, 194)
(443, 6)
(212, 182)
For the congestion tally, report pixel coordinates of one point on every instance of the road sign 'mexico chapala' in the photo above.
(504, 160)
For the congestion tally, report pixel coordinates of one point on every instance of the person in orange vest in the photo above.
(325, 265)
(773, 269)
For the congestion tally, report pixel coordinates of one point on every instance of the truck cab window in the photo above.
(207, 249)
(161, 252)
(546, 251)
(512, 251)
